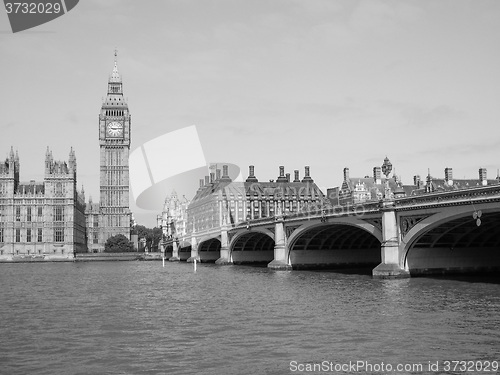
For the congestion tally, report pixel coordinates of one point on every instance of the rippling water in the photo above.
(141, 318)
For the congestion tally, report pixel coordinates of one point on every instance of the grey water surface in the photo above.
(142, 318)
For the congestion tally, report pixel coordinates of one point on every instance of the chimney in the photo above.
(251, 175)
(346, 174)
(307, 177)
(281, 177)
(201, 182)
(482, 176)
(225, 174)
(377, 175)
(288, 177)
(212, 176)
(217, 174)
(448, 176)
(297, 179)
(207, 180)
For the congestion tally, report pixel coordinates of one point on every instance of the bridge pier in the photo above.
(280, 261)
(391, 246)
(194, 251)
(175, 252)
(225, 255)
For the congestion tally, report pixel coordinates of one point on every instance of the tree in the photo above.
(118, 244)
(152, 236)
(157, 235)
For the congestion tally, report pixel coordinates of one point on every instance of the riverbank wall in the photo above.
(82, 257)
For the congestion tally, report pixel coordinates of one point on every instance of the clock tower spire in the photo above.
(114, 142)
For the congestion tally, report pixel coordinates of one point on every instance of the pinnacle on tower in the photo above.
(115, 75)
(72, 161)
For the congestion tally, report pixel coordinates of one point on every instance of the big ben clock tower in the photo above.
(114, 141)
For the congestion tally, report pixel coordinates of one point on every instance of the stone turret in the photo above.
(72, 162)
(346, 174)
(9, 173)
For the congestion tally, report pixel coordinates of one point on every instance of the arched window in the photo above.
(59, 189)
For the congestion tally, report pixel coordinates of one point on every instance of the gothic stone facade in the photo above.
(111, 216)
(173, 219)
(41, 220)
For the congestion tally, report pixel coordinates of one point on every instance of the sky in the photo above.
(324, 83)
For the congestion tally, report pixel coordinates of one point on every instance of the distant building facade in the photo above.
(173, 219)
(357, 190)
(219, 198)
(449, 183)
(111, 215)
(43, 219)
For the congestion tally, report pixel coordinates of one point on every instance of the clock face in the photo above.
(114, 129)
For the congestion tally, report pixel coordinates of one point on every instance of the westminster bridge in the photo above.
(445, 232)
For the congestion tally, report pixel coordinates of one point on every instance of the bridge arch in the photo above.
(184, 243)
(338, 243)
(184, 249)
(209, 249)
(450, 241)
(168, 249)
(254, 246)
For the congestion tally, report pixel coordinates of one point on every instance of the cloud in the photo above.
(477, 148)
(107, 3)
(7, 126)
(382, 16)
(317, 7)
(72, 117)
(420, 115)
(337, 34)
(438, 115)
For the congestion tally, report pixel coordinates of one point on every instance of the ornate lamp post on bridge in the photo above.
(390, 247)
(386, 170)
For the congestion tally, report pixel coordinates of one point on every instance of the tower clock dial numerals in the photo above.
(114, 129)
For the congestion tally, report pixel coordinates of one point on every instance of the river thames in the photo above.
(142, 318)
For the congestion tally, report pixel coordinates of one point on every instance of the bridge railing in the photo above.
(319, 212)
(326, 211)
(470, 194)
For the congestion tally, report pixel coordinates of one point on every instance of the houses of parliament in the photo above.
(50, 219)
